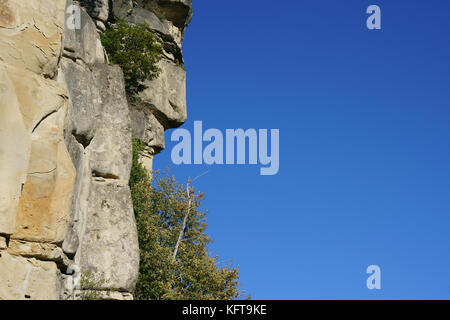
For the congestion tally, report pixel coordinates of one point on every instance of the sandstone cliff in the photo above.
(66, 143)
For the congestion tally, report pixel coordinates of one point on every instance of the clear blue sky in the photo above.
(364, 144)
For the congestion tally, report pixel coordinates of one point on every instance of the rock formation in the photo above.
(66, 132)
(162, 105)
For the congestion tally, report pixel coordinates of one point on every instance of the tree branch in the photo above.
(186, 216)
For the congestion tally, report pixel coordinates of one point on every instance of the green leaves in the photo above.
(160, 210)
(136, 49)
(90, 283)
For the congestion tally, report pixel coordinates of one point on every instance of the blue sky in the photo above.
(364, 144)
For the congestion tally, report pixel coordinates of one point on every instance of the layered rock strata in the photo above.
(65, 143)
(36, 173)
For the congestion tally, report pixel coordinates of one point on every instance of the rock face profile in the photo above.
(66, 131)
(162, 104)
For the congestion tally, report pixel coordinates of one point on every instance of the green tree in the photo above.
(163, 212)
(136, 49)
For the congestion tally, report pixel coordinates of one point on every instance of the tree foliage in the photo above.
(136, 49)
(160, 210)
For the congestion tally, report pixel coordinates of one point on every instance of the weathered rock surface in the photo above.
(45, 202)
(36, 173)
(102, 234)
(140, 15)
(84, 94)
(30, 34)
(166, 95)
(39, 169)
(37, 97)
(3, 244)
(83, 43)
(109, 245)
(15, 146)
(179, 12)
(147, 129)
(97, 9)
(111, 152)
(150, 131)
(66, 143)
(41, 251)
(24, 278)
(80, 158)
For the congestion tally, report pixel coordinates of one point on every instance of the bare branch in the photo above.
(186, 216)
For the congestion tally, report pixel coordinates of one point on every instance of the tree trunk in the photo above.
(183, 227)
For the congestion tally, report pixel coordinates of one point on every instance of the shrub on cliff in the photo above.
(136, 49)
(168, 271)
